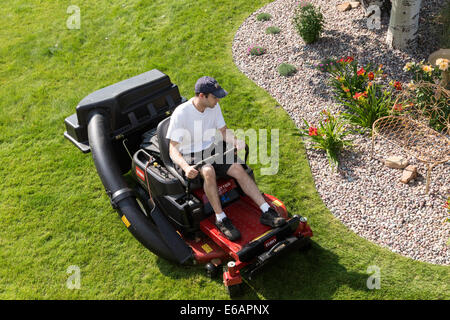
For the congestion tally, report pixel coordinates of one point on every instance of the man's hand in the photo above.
(190, 172)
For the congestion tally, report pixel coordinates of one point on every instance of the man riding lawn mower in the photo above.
(192, 200)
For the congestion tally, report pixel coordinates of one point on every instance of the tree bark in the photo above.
(403, 24)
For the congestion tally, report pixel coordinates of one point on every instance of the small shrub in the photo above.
(286, 69)
(263, 17)
(309, 22)
(326, 65)
(256, 50)
(272, 30)
(329, 135)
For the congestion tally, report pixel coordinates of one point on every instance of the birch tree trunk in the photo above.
(403, 24)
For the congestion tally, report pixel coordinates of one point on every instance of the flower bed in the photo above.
(363, 193)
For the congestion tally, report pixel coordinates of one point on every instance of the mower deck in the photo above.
(258, 243)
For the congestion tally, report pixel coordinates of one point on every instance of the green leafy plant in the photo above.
(309, 22)
(435, 108)
(347, 78)
(263, 17)
(256, 50)
(326, 65)
(272, 30)
(423, 72)
(329, 135)
(369, 105)
(286, 69)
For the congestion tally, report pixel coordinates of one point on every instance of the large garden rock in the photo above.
(396, 162)
(344, 6)
(409, 173)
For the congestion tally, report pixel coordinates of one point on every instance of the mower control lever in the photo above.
(212, 158)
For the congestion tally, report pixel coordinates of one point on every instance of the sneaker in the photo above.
(271, 218)
(226, 227)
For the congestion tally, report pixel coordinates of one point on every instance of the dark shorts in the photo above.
(221, 165)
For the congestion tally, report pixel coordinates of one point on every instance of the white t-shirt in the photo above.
(194, 130)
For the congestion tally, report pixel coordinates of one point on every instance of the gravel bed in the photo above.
(364, 194)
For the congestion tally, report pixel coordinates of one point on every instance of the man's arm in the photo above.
(178, 159)
(229, 137)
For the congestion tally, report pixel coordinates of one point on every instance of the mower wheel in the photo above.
(211, 270)
(234, 291)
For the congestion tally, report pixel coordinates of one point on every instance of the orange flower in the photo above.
(360, 95)
(371, 76)
(345, 89)
(349, 59)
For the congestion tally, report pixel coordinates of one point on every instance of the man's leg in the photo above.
(210, 186)
(246, 183)
(269, 216)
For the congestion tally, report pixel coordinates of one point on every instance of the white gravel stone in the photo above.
(364, 194)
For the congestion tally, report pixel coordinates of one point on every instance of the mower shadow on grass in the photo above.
(310, 275)
(315, 274)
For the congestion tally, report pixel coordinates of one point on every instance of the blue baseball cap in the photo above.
(210, 85)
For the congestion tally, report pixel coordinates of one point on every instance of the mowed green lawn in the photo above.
(54, 212)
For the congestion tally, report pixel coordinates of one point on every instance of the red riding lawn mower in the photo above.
(124, 126)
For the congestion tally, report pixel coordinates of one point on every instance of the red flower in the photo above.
(371, 76)
(349, 59)
(446, 205)
(340, 60)
(361, 72)
(312, 131)
(398, 107)
(397, 85)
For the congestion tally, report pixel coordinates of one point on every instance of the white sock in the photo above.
(220, 216)
(264, 207)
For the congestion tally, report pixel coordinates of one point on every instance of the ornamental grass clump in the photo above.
(369, 105)
(347, 78)
(286, 69)
(272, 30)
(263, 17)
(256, 50)
(309, 22)
(329, 135)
